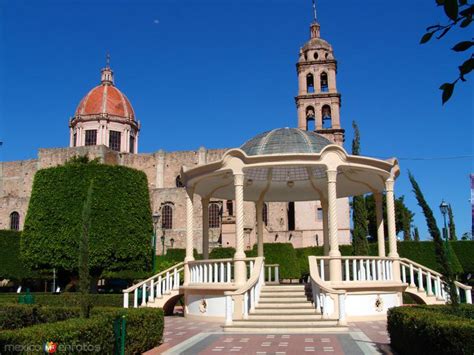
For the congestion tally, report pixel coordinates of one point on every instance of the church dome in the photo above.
(285, 141)
(106, 99)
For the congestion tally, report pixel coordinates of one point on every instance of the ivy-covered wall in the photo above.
(10, 265)
(121, 224)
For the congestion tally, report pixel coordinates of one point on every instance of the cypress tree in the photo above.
(359, 210)
(441, 252)
(84, 271)
(451, 226)
(416, 235)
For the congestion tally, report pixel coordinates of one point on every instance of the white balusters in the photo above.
(468, 296)
(125, 299)
(322, 270)
(428, 284)
(354, 270)
(135, 298)
(152, 291)
(246, 305)
(277, 273)
(229, 278)
(420, 280)
(412, 276)
(144, 294)
(404, 274)
(346, 267)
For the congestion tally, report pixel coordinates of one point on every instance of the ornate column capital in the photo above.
(389, 184)
(239, 179)
(331, 175)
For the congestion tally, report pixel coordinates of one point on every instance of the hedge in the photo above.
(283, 254)
(121, 224)
(430, 330)
(95, 334)
(66, 299)
(222, 253)
(464, 250)
(10, 267)
(15, 316)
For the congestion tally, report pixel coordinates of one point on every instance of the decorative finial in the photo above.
(107, 75)
(314, 12)
(107, 60)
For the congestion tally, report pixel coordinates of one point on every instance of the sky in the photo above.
(216, 73)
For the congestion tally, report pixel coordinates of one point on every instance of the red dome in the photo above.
(106, 99)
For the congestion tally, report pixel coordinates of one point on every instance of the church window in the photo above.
(179, 182)
(309, 83)
(315, 55)
(74, 140)
(167, 217)
(114, 140)
(15, 221)
(265, 214)
(132, 144)
(214, 215)
(310, 121)
(291, 216)
(91, 137)
(326, 115)
(324, 82)
(230, 207)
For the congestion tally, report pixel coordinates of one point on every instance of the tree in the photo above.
(359, 211)
(120, 219)
(441, 251)
(459, 13)
(416, 235)
(451, 226)
(84, 271)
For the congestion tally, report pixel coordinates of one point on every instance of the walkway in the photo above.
(182, 336)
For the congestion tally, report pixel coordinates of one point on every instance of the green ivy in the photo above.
(121, 224)
(10, 267)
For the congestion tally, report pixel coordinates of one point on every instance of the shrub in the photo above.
(283, 254)
(10, 267)
(144, 331)
(222, 253)
(464, 250)
(66, 299)
(430, 330)
(14, 316)
(121, 225)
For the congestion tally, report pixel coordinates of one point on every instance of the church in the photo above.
(104, 126)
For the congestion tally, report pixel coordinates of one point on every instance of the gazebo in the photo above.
(284, 165)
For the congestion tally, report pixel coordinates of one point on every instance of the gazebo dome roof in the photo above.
(285, 141)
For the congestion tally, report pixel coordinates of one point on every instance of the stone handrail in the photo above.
(250, 292)
(157, 285)
(327, 299)
(429, 281)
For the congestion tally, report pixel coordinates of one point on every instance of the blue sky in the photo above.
(215, 73)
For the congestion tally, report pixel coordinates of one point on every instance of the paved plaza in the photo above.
(183, 336)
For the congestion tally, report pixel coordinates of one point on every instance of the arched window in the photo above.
(214, 215)
(265, 214)
(291, 216)
(179, 182)
(167, 217)
(324, 82)
(326, 115)
(15, 221)
(310, 121)
(309, 83)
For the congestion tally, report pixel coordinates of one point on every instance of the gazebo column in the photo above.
(334, 253)
(240, 269)
(324, 205)
(205, 227)
(189, 234)
(259, 211)
(380, 227)
(392, 235)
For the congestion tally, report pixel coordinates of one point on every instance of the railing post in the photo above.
(379, 270)
(438, 287)
(322, 270)
(412, 276)
(277, 274)
(468, 296)
(228, 310)
(420, 280)
(152, 290)
(354, 270)
(205, 273)
(125, 299)
(135, 298)
(144, 294)
(346, 268)
(342, 309)
(367, 269)
(252, 297)
(222, 272)
(269, 274)
(176, 278)
(404, 274)
(251, 267)
(428, 284)
(374, 274)
(362, 270)
(246, 304)
(229, 272)
(158, 288)
(167, 282)
(216, 272)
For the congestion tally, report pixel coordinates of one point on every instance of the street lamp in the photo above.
(156, 220)
(444, 210)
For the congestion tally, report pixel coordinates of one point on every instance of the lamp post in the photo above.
(444, 210)
(162, 241)
(156, 220)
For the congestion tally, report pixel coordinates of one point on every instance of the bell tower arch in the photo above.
(318, 102)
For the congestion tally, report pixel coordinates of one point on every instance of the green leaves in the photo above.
(426, 37)
(462, 46)
(466, 67)
(447, 89)
(451, 9)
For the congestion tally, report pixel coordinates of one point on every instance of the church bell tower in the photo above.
(318, 101)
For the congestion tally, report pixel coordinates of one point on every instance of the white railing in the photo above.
(215, 271)
(359, 268)
(326, 300)
(154, 287)
(429, 281)
(248, 294)
(272, 272)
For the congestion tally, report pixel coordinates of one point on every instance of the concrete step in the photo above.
(283, 300)
(283, 288)
(282, 311)
(285, 329)
(284, 306)
(250, 323)
(282, 294)
(284, 317)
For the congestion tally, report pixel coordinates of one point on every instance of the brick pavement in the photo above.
(183, 336)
